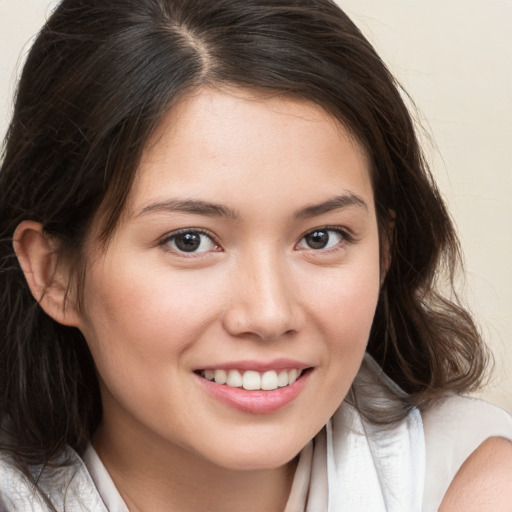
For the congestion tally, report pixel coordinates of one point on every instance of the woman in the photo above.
(219, 251)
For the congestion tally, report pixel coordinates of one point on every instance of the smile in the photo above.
(253, 380)
(252, 391)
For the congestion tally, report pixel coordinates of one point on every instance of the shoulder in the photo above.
(457, 425)
(483, 482)
(460, 434)
(67, 481)
(16, 493)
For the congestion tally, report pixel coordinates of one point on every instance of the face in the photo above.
(248, 251)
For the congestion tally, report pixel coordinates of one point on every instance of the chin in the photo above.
(253, 459)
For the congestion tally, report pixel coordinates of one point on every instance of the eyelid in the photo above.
(345, 233)
(164, 241)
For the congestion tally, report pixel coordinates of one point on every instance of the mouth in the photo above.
(253, 386)
(252, 380)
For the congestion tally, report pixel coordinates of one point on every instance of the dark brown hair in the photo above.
(98, 79)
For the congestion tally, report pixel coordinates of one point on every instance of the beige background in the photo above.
(455, 59)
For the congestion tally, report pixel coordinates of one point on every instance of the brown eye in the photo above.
(321, 239)
(317, 239)
(190, 241)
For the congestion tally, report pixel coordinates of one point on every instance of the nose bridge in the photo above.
(263, 300)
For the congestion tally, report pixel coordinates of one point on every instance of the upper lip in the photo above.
(258, 366)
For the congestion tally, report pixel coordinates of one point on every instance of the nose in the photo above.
(263, 299)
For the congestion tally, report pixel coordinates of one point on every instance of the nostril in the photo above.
(243, 322)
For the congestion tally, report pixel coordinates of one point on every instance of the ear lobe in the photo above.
(38, 257)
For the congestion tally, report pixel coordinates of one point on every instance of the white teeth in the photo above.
(269, 381)
(234, 379)
(282, 379)
(220, 376)
(252, 380)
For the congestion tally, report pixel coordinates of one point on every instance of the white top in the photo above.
(350, 466)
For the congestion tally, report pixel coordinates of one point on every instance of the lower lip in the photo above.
(257, 402)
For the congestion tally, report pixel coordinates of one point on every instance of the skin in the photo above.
(154, 315)
(483, 482)
(255, 291)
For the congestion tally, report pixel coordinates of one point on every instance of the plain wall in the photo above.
(454, 57)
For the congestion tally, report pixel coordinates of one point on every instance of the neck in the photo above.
(162, 477)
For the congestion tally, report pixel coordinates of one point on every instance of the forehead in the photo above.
(236, 144)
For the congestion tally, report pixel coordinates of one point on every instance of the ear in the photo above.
(37, 254)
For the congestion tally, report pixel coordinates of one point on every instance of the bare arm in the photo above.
(484, 482)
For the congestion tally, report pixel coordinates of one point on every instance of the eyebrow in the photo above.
(335, 203)
(193, 206)
(209, 209)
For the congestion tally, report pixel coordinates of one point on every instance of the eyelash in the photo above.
(175, 234)
(346, 237)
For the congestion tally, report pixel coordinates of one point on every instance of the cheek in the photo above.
(138, 313)
(345, 302)
(343, 306)
(343, 310)
(141, 325)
